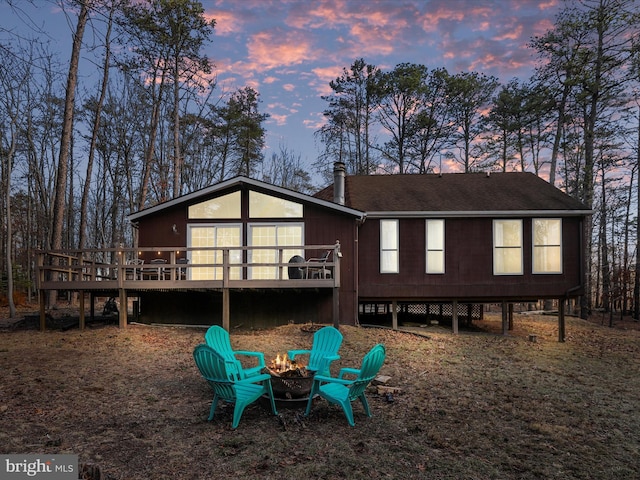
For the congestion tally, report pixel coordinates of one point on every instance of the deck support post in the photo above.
(394, 314)
(511, 316)
(81, 308)
(42, 296)
(505, 318)
(336, 308)
(226, 323)
(454, 317)
(561, 322)
(122, 316)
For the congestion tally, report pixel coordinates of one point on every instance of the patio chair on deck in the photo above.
(342, 391)
(155, 270)
(182, 271)
(324, 350)
(218, 339)
(316, 267)
(134, 272)
(228, 382)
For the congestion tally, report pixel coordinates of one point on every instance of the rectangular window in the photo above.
(547, 245)
(219, 236)
(507, 247)
(266, 206)
(389, 246)
(273, 235)
(435, 246)
(226, 206)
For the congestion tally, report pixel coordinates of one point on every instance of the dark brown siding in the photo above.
(322, 227)
(468, 265)
(325, 227)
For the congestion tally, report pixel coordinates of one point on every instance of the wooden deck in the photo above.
(118, 272)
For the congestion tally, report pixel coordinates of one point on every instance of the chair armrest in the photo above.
(254, 379)
(258, 355)
(324, 379)
(347, 371)
(292, 353)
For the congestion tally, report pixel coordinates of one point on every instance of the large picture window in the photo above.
(219, 236)
(273, 235)
(507, 247)
(547, 245)
(435, 246)
(389, 246)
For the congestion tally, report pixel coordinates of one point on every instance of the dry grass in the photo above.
(473, 406)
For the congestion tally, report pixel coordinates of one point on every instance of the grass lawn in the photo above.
(131, 403)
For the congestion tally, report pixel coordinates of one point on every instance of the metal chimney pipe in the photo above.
(339, 172)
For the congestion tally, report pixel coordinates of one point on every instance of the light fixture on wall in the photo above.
(175, 229)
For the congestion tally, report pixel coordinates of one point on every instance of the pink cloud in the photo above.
(276, 48)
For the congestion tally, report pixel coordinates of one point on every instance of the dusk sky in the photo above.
(289, 50)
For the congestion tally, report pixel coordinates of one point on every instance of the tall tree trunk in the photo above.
(177, 161)
(65, 142)
(82, 240)
(636, 285)
(67, 128)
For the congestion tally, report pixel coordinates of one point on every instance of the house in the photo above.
(464, 238)
(229, 253)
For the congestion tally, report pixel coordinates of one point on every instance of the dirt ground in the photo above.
(477, 405)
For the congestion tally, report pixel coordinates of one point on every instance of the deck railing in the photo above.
(174, 267)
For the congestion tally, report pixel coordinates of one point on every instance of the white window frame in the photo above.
(434, 248)
(390, 254)
(536, 248)
(500, 249)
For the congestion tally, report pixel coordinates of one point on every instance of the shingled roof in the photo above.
(455, 193)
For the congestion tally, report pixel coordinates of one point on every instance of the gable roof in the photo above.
(456, 194)
(238, 182)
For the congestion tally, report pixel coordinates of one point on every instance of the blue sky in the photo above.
(289, 50)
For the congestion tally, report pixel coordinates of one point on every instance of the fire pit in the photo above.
(290, 380)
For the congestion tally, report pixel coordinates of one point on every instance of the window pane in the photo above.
(435, 234)
(213, 236)
(507, 247)
(389, 234)
(435, 262)
(266, 206)
(547, 232)
(508, 261)
(278, 235)
(435, 246)
(389, 246)
(389, 261)
(226, 206)
(508, 233)
(547, 245)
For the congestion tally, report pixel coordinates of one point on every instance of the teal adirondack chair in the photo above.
(218, 339)
(324, 350)
(229, 383)
(342, 391)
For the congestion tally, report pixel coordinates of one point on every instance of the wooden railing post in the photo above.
(226, 271)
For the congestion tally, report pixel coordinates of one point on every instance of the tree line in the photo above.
(79, 152)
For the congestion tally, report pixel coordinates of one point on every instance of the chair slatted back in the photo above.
(371, 364)
(326, 341)
(220, 374)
